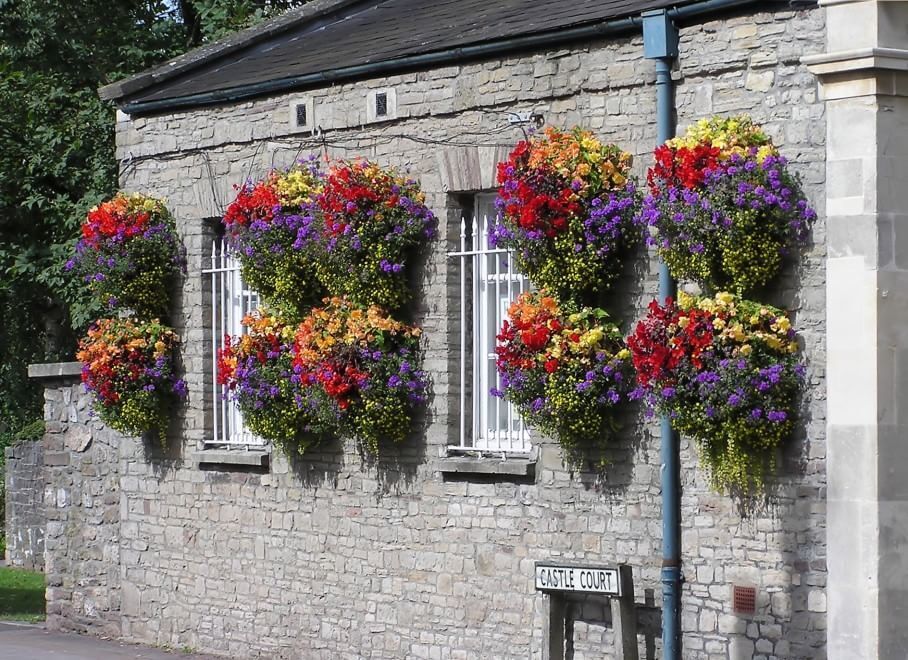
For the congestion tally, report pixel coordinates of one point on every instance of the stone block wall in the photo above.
(82, 499)
(328, 556)
(25, 516)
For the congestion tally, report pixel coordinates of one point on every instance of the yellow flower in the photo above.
(683, 322)
(725, 298)
(746, 349)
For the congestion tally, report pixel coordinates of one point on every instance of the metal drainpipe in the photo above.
(660, 43)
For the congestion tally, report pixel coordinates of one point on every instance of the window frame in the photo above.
(230, 301)
(488, 283)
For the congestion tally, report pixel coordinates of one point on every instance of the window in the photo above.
(231, 300)
(488, 283)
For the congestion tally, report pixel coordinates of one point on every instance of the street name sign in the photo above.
(586, 579)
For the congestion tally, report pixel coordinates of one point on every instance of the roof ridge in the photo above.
(203, 54)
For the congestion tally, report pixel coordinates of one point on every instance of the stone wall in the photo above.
(82, 499)
(25, 516)
(328, 556)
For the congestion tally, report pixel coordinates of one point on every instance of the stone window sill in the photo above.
(507, 466)
(232, 458)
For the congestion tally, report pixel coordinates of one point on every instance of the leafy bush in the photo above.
(129, 367)
(257, 369)
(566, 371)
(272, 228)
(373, 222)
(129, 254)
(727, 373)
(366, 365)
(567, 206)
(723, 208)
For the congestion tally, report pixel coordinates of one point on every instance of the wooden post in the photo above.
(624, 616)
(553, 641)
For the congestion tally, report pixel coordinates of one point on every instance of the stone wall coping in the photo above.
(55, 370)
(857, 59)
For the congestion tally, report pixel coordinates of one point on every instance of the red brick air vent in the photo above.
(744, 599)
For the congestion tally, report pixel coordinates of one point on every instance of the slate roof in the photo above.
(328, 35)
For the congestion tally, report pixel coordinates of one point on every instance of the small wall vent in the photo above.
(381, 104)
(744, 599)
(302, 114)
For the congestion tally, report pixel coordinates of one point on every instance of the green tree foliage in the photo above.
(57, 155)
(207, 20)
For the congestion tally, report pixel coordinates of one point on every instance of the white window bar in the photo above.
(488, 283)
(231, 300)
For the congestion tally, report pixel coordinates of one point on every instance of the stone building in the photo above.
(429, 551)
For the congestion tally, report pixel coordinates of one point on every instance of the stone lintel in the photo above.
(55, 370)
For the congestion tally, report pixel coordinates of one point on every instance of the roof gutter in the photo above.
(375, 69)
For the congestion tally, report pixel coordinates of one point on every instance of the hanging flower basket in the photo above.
(129, 254)
(565, 371)
(363, 365)
(724, 209)
(257, 369)
(129, 368)
(373, 222)
(567, 205)
(726, 371)
(272, 228)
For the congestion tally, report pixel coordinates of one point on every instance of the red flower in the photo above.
(257, 203)
(659, 344)
(681, 167)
